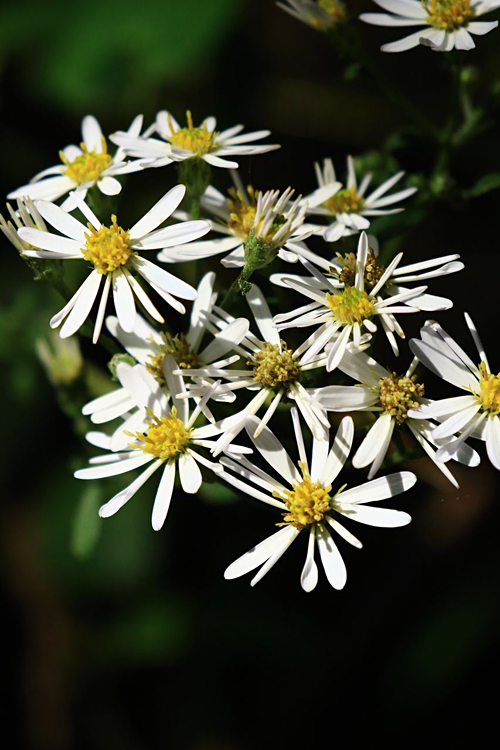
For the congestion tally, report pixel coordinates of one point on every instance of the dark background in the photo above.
(138, 642)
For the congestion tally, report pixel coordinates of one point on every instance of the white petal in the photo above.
(493, 440)
(262, 315)
(272, 450)
(119, 500)
(331, 558)
(309, 577)
(82, 306)
(382, 517)
(163, 496)
(225, 341)
(339, 452)
(124, 301)
(62, 221)
(190, 474)
(163, 279)
(92, 134)
(375, 438)
(159, 213)
(378, 489)
(172, 236)
(51, 242)
(112, 470)
(257, 555)
(346, 397)
(109, 186)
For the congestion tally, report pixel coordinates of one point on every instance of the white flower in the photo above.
(203, 142)
(149, 348)
(275, 372)
(341, 313)
(343, 269)
(322, 15)
(27, 215)
(348, 209)
(449, 23)
(83, 167)
(113, 252)
(476, 415)
(308, 502)
(389, 396)
(165, 439)
(247, 214)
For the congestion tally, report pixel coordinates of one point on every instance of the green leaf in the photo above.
(484, 185)
(87, 525)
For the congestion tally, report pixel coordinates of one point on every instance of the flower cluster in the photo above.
(180, 397)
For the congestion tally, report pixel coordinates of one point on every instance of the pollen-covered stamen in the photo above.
(107, 248)
(180, 350)
(346, 201)
(199, 141)
(350, 306)
(489, 390)
(167, 437)
(274, 367)
(398, 394)
(347, 275)
(89, 166)
(241, 212)
(307, 501)
(449, 15)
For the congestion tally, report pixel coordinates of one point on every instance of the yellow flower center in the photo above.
(274, 368)
(199, 141)
(350, 306)
(489, 393)
(373, 270)
(89, 166)
(398, 394)
(179, 348)
(346, 201)
(449, 15)
(241, 214)
(307, 501)
(335, 11)
(107, 248)
(167, 437)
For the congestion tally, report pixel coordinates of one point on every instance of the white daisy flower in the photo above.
(83, 167)
(27, 215)
(322, 15)
(176, 143)
(449, 23)
(389, 396)
(476, 415)
(393, 278)
(149, 348)
(341, 313)
(165, 439)
(114, 253)
(308, 502)
(349, 209)
(275, 372)
(244, 214)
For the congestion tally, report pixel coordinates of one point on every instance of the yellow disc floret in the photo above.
(346, 201)
(449, 15)
(241, 212)
(307, 501)
(398, 394)
(489, 393)
(334, 13)
(107, 248)
(167, 437)
(350, 306)
(89, 166)
(199, 141)
(274, 367)
(180, 350)
(347, 275)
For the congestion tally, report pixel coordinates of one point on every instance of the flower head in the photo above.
(449, 23)
(322, 15)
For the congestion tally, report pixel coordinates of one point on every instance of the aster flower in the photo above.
(308, 501)
(349, 209)
(475, 415)
(449, 23)
(27, 215)
(390, 397)
(83, 167)
(176, 143)
(269, 218)
(391, 280)
(275, 372)
(114, 253)
(149, 348)
(322, 15)
(341, 313)
(166, 439)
